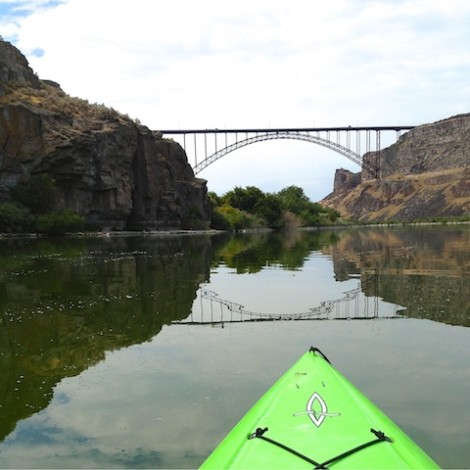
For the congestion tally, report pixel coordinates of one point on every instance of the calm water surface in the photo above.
(143, 352)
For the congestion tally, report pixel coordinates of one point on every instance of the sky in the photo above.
(205, 64)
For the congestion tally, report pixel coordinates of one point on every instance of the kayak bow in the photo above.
(313, 416)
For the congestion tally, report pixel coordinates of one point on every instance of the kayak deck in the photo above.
(313, 417)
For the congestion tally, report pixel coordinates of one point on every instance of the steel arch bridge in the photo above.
(350, 142)
(278, 135)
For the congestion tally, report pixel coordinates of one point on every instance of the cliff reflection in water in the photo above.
(425, 270)
(65, 304)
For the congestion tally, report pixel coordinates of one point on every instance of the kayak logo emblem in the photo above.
(317, 410)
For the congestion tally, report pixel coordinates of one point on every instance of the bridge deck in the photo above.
(287, 129)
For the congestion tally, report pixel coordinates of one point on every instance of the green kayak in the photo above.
(313, 417)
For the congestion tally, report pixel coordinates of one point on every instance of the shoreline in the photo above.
(178, 232)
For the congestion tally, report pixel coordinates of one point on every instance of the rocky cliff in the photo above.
(114, 172)
(425, 174)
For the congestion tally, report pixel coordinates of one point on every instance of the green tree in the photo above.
(214, 199)
(269, 209)
(293, 199)
(244, 199)
(249, 207)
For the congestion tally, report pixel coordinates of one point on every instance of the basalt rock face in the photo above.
(14, 68)
(444, 145)
(425, 174)
(345, 180)
(114, 172)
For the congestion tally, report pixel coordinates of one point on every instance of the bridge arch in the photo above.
(306, 137)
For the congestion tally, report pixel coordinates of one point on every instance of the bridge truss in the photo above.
(205, 146)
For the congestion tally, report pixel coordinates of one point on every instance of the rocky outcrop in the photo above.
(14, 68)
(345, 180)
(444, 145)
(425, 174)
(410, 197)
(114, 172)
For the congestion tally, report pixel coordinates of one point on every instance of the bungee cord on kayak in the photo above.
(380, 437)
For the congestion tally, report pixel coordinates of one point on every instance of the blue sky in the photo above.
(261, 63)
(13, 10)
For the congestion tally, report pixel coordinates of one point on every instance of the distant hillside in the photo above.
(110, 170)
(425, 174)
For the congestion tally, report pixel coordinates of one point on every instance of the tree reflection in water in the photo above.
(65, 303)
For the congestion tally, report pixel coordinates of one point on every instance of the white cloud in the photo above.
(205, 64)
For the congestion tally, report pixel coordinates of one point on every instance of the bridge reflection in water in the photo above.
(210, 309)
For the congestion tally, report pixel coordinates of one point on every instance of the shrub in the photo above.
(219, 221)
(236, 218)
(14, 217)
(332, 214)
(58, 223)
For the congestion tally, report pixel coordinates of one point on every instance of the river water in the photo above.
(142, 352)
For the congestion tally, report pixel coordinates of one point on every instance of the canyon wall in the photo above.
(425, 174)
(109, 169)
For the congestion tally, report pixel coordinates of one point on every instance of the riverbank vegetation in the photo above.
(31, 209)
(251, 208)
